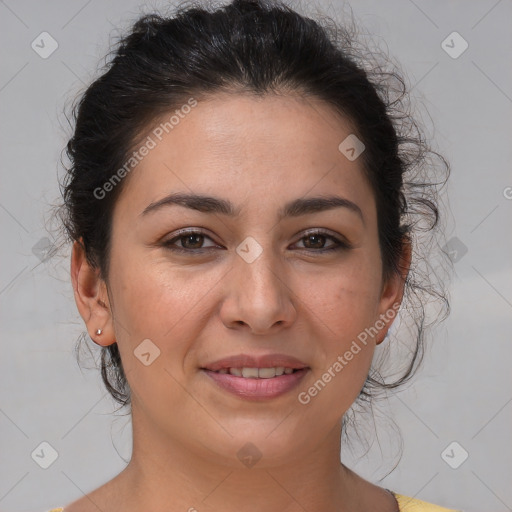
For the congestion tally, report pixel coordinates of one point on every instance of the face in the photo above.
(265, 279)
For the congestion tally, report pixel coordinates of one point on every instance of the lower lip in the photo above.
(257, 388)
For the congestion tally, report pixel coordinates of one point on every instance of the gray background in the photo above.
(463, 392)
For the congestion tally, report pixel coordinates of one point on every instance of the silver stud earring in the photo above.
(98, 332)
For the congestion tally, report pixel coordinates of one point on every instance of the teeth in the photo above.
(265, 373)
(257, 373)
(251, 373)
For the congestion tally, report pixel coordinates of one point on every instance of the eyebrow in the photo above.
(295, 208)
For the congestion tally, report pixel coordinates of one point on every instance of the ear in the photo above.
(393, 291)
(91, 297)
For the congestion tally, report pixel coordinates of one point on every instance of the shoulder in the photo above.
(407, 504)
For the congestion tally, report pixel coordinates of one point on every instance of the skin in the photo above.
(259, 153)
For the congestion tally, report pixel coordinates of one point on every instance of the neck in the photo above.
(162, 471)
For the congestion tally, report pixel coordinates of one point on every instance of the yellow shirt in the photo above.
(405, 503)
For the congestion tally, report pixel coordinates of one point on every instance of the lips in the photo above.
(249, 361)
(257, 377)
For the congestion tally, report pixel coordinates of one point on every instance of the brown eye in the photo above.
(316, 241)
(189, 241)
(192, 241)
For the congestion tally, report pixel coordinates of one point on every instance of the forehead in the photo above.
(244, 146)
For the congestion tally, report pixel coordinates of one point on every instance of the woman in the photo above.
(245, 204)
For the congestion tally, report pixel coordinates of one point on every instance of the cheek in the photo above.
(343, 310)
(348, 320)
(347, 298)
(162, 303)
(162, 308)
(344, 305)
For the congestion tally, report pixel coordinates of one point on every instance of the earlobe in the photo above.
(91, 297)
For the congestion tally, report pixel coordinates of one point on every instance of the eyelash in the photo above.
(340, 244)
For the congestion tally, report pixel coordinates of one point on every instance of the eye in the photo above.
(190, 240)
(315, 241)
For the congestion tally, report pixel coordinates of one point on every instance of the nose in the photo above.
(258, 296)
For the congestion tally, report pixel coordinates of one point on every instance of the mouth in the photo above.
(256, 378)
(256, 373)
